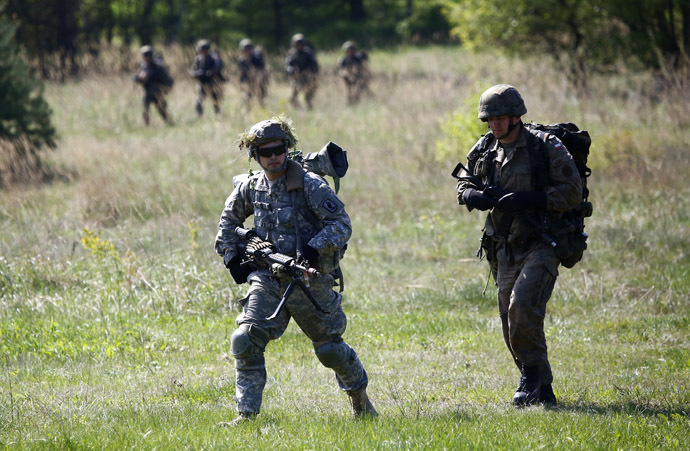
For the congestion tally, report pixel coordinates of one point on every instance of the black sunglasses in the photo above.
(270, 151)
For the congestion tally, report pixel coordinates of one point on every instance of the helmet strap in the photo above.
(512, 126)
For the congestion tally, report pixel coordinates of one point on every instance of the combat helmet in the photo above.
(266, 131)
(349, 45)
(297, 38)
(246, 43)
(146, 50)
(203, 44)
(501, 100)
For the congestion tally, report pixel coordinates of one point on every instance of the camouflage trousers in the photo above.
(525, 283)
(157, 97)
(213, 89)
(303, 82)
(323, 329)
(255, 86)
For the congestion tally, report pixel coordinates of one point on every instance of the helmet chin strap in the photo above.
(512, 126)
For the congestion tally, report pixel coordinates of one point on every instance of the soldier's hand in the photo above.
(142, 75)
(238, 271)
(477, 199)
(523, 200)
(311, 255)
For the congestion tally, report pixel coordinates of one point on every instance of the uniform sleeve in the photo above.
(466, 183)
(238, 207)
(564, 190)
(330, 211)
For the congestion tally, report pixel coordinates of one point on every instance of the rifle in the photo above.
(495, 193)
(258, 252)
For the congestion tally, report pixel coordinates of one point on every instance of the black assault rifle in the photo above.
(494, 194)
(263, 254)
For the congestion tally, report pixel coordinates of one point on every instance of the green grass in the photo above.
(121, 341)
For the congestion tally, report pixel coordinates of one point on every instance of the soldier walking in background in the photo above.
(353, 69)
(207, 68)
(153, 76)
(299, 214)
(526, 179)
(302, 66)
(253, 73)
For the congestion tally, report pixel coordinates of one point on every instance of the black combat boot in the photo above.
(361, 404)
(529, 389)
(547, 396)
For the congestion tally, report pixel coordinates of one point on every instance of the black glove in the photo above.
(311, 255)
(477, 199)
(523, 200)
(238, 272)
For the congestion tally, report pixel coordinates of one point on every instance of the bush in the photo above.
(460, 131)
(25, 126)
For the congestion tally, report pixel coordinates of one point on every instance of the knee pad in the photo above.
(333, 354)
(247, 345)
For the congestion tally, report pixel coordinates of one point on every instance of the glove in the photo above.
(311, 255)
(523, 200)
(477, 199)
(238, 272)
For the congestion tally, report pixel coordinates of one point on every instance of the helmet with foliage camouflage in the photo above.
(269, 130)
(246, 43)
(501, 100)
(203, 44)
(349, 45)
(297, 38)
(146, 50)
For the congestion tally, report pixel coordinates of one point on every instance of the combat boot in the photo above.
(361, 404)
(547, 395)
(242, 418)
(529, 389)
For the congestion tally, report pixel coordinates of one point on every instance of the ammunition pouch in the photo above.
(569, 233)
(487, 248)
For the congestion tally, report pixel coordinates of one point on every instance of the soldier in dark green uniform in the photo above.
(354, 70)
(253, 73)
(156, 81)
(515, 189)
(207, 68)
(302, 66)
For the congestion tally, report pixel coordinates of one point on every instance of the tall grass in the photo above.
(115, 314)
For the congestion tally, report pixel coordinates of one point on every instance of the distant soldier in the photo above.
(302, 66)
(153, 76)
(208, 70)
(353, 69)
(253, 73)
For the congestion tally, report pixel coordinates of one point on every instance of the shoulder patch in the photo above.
(329, 205)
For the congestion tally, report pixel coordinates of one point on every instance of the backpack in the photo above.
(568, 231)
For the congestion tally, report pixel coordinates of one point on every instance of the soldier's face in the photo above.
(272, 155)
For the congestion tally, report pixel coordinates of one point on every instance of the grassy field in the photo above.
(115, 313)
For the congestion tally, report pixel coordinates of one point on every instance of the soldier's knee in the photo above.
(333, 353)
(247, 346)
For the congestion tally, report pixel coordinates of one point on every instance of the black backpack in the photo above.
(569, 230)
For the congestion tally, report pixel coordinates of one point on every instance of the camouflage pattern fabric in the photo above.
(354, 71)
(527, 268)
(156, 84)
(275, 219)
(303, 67)
(207, 71)
(253, 77)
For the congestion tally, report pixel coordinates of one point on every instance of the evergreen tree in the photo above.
(25, 123)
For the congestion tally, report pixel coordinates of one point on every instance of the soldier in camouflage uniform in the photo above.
(524, 266)
(253, 73)
(302, 66)
(353, 69)
(156, 81)
(281, 217)
(208, 71)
